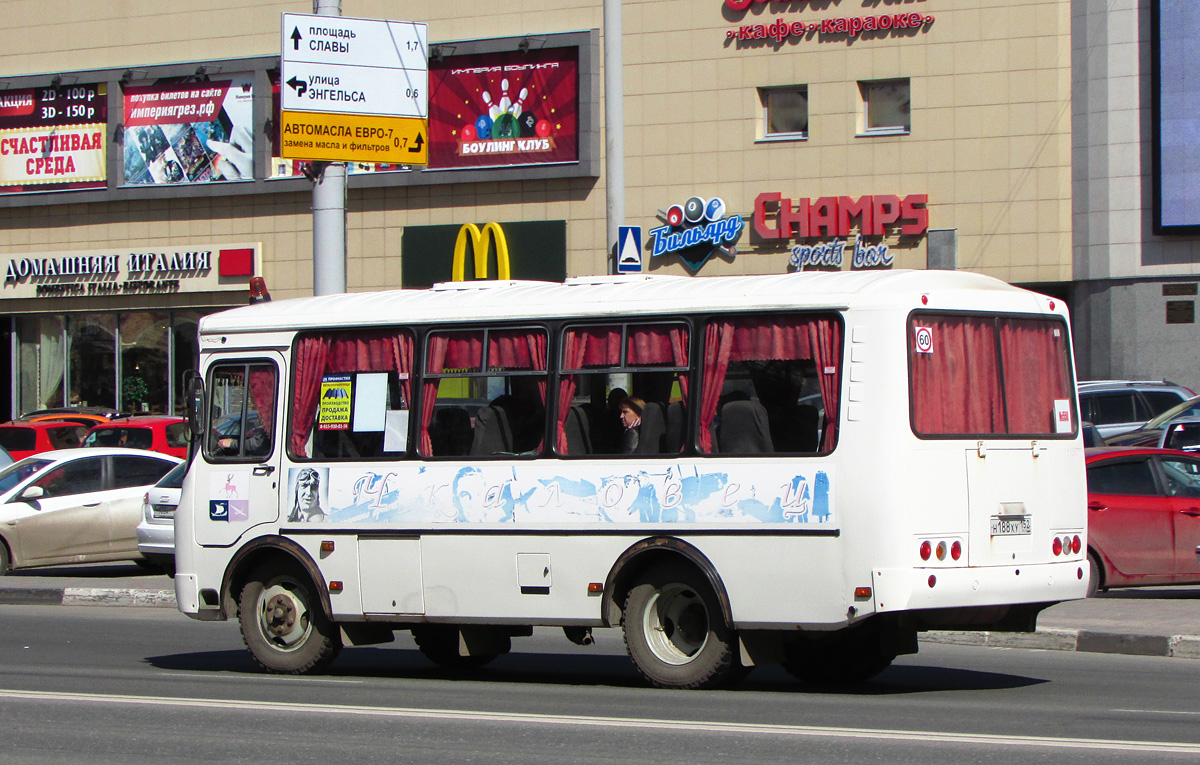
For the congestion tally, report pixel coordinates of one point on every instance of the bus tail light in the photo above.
(932, 580)
(926, 550)
(956, 550)
(1076, 544)
(1057, 546)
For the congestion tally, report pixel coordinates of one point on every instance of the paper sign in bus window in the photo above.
(370, 402)
(336, 402)
(1062, 416)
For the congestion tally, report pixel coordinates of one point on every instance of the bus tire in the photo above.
(845, 657)
(675, 631)
(1094, 575)
(439, 644)
(283, 624)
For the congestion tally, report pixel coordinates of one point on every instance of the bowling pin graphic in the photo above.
(504, 100)
(493, 109)
(516, 107)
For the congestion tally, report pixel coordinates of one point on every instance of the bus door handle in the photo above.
(264, 469)
(1098, 507)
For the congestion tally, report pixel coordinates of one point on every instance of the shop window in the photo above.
(885, 107)
(351, 394)
(641, 368)
(145, 340)
(41, 363)
(185, 355)
(241, 412)
(92, 360)
(785, 112)
(770, 384)
(484, 393)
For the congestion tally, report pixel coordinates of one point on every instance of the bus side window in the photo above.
(350, 395)
(484, 393)
(603, 365)
(763, 393)
(242, 407)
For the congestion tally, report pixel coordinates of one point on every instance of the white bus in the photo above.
(825, 465)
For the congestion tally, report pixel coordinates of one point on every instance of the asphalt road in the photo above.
(121, 685)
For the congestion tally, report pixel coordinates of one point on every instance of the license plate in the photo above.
(1011, 525)
(162, 511)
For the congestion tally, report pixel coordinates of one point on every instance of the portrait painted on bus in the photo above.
(308, 490)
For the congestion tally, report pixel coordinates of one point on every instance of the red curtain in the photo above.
(956, 386)
(262, 395)
(435, 363)
(757, 339)
(1033, 344)
(341, 353)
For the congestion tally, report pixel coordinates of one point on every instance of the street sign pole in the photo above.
(329, 208)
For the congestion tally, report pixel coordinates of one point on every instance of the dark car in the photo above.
(1151, 433)
(1143, 517)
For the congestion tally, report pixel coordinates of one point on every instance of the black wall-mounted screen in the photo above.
(1175, 39)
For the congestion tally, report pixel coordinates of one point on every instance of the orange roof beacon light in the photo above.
(258, 290)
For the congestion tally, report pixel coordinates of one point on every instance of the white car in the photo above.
(156, 532)
(75, 505)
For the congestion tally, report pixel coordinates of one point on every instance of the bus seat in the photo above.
(578, 431)
(676, 427)
(652, 433)
(492, 434)
(744, 429)
(451, 432)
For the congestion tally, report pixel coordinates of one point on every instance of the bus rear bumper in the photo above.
(953, 598)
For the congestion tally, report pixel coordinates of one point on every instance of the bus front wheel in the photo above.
(674, 630)
(283, 624)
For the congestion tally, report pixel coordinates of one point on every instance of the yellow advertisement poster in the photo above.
(334, 413)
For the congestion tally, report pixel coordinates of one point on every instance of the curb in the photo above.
(86, 596)
(1083, 641)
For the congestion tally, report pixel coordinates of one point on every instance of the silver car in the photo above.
(156, 532)
(75, 505)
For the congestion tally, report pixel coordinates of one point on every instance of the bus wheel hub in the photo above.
(280, 615)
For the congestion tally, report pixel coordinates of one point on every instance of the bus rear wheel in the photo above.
(844, 657)
(283, 624)
(675, 632)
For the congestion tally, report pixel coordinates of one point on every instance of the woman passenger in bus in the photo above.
(631, 419)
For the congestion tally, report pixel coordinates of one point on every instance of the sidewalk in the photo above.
(1147, 621)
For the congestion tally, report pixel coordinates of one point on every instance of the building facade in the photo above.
(148, 175)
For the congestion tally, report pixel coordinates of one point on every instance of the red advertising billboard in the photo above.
(511, 108)
(189, 131)
(52, 139)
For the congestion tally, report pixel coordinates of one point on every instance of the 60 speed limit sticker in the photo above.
(923, 339)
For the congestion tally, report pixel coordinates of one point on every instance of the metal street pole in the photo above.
(614, 127)
(329, 208)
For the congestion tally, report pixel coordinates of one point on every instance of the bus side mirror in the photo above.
(195, 406)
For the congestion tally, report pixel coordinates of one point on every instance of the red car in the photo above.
(165, 435)
(23, 439)
(1143, 517)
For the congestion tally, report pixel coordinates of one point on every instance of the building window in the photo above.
(885, 107)
(785, 112)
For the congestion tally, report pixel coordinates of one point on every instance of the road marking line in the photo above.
(691, 726)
